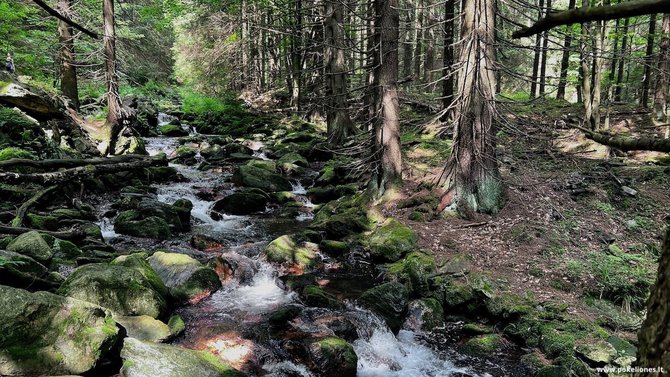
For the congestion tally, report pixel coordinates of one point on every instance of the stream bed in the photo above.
(232, 323)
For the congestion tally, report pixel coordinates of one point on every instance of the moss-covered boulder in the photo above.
(333, 357)
(483, 345)
(133, 224)
(325, 194)
(252, 176)
(185, 155)
(391, 241)
(334, 248)
(240, 203)
(344, 217)
(33, 245)
(138, 262)
(313, 295)
(46, 334)
(42, 222)
(598, 352)
(147, 359)
(293, 158)
(123, 290)
(415, 271)
(21, 271)
(424, 315)
(289, 251)
(143, 327)
(177, 216)
(389, 301)
(172, 130)
(187, 279)
(268, 165)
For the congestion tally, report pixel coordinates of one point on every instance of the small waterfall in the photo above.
(164, 118)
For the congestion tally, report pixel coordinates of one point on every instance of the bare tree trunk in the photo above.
(622, 62)
(388, 173)
(407, 43)
(418, 39)
(340, 126)
(648, 62)
(536, 56)
(586, 71)
(471, 174)
(116, 115)
(448, 56)
(296, 56)
(661, 96)
(565, 60)
(654, 335)
(598, 61)
(545, 45)
(429, 40)
(68, 71)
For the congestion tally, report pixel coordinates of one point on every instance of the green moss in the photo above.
(483, 345)
(414, 271)
(476, 329)
(509, 306)
(344, 217)
(316, 296)
(391, 241)
(42, 222)
(9, 153)
(138, 263)
(176, 325)
(287, 250)
(389, 301)
(333, 247)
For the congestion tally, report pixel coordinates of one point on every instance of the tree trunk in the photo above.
(598, 61)
(471, 174)
(662, 78)
(648, 61)
(296, 56)
(68, 71)
(116, 115)
(407, 43)
(586, 71)
(622, 61)
(448, 56)
(429, 40)
(536, 56)
(545, 45)
(654, 336)
(565, 60)
(388, 172)
(418, 39)
(340, 126)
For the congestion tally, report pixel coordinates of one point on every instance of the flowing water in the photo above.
(232, 322)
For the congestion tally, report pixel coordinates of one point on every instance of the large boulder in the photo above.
(21, 271)
(144, 216)
(123, 290)
(391, 241)
(143, 327)
(138, 262)
(333, 357)
(288, 251)
(252, 176)
(187, 279)
(389, 301)
(146, 359)
(46, 334)
(240, 203)
(32, 244)
(415, 271)
(132, 223)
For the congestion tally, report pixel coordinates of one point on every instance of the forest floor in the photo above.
(572, 230)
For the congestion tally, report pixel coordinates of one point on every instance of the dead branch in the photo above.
(628, 143)
(21, 213)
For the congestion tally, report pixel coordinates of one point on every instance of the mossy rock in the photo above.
(458, 294)
(131, 223)
(144, 327)
(325, 194)
(20, 271)
(240, 203)
(176, 325)
(287, 250)
(457, 265)
(389, 301)
(280, 317)
(138, 262)
(294, 159)
(344, 217)
(391, 241)
(334, 248)
(424, 315)
(554, 371)
(414, 270)
(66, 249)
(123, 290)
(42, 222)
(251, 176)
(508, 306)
(483, 345)
(313, 295)
(268, 165)
(46, 334)
(186, 278)
(172, 130)
(597, 352)
(33, 245)
(333, 357)
(9, 153)
(476, 329)
(147, 359)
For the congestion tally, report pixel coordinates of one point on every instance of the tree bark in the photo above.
(654, 336)
(622, 62)
(586, 71)
(600, 13)
(339, 124)
(448, 57)
(388, 172)
(537, 55)
(628, 143)
(68, 71)
(663, 76)
(545, 45)
(648, 62)
(471, 175)
(565, 59)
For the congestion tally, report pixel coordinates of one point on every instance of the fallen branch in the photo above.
(628, 143)
(74, 234)
(21, 213)
(80, 172)
(69, 162)
(600, 13)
